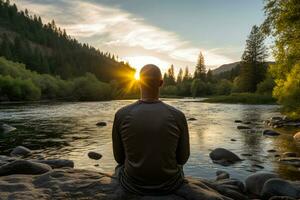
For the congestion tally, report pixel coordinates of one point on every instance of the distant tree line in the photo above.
(249, 76)
(45, 48)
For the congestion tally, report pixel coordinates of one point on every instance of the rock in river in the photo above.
(57, 163)
(5, 128)
(255, 182)
(223, 156)
(20, 151)
(243, 127)
(192, 119)
(101, 124)
(24, 167)
(94, 155)
(295, 161)
(297, 137)
(270, 133)
(290, 154)
(280, 187)
(238, 121)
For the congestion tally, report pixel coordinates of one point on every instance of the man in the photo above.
(150, 140)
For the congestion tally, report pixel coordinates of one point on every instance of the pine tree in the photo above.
(179, 77)
(200, 71)
(253, 68)
(209, 76)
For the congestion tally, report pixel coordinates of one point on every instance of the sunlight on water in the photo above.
(68, 130)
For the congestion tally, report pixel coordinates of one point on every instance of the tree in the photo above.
(283, 23)
(209, 76)
(169, 77)
(253, 67)
(179, 77)
(200, 71)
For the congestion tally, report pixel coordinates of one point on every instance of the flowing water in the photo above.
(68, 130)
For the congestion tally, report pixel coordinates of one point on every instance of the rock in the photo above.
(246, 154)
(192, 119)
(5, 128)
(258, 166)
(255, 182)
(271, 151)
(276, 119)
(295, 161)
(276, 155)
(246, 122)
(233, 140)
(23, 167)
(243, 127)
(290, 154)
(20, 151)
(81, 184)
(101, 124)
(238, 121)
(57, 163)
(297, 137)
(279, 187)
(223, 156)
(94, 155)
(270, 133)
(222, 175)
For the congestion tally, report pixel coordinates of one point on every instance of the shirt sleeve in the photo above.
(118, 148)
(183, 148)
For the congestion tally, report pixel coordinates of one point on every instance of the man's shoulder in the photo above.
(125, 109)
(174, 110)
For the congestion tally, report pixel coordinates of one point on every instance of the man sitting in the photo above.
(150, 140)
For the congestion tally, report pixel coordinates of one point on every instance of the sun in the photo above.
(137, 75)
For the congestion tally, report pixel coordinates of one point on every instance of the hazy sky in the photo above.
(157, 31)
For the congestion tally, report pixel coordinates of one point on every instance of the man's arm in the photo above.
(118, 148)
(183, 149)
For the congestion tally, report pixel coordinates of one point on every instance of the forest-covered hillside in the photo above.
(45, 48)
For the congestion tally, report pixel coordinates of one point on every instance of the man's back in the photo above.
(151, 140)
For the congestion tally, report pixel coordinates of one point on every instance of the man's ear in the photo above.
(161, 82)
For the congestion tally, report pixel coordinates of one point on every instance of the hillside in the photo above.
(225, 68)
(45, 48)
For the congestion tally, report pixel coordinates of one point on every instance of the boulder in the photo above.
(5, 128)
(243, 127)
(24, 167)
(223, 156)
(295, 161)
(279, 187)
(20, 151)
(101, 124)
(297, 137)
(255, 182)
(94, 155)
(238, 121)
(290, 154)
(57, 163)
(270, 133)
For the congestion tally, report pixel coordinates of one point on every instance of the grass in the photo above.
(242, 98)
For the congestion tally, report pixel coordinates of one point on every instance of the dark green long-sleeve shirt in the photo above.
(151, 139)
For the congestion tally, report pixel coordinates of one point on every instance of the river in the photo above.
(68, 130)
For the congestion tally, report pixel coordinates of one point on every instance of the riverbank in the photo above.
(242, 98)
(27, 176)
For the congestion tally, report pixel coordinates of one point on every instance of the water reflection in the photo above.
(68, 130)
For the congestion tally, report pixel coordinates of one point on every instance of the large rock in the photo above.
(23, 167)
(255, 182)
(20, 151)
(94, 155)
(223, 156)
(270, 133)
(279, 187)
(5, 128)
(87, 185)
(57, 163)
(295, 161)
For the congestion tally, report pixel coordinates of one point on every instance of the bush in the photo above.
(224, 87)
(170, 90)
(266, 86)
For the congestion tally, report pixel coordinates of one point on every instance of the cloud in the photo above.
(112, 28)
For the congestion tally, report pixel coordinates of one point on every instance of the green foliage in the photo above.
(198, 88)
(266, 86)
(283, 23)
(224, 87)
(243, 98)
(18, 83)
(169, 90)
(200, 71)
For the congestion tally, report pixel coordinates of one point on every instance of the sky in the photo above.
(161, 32)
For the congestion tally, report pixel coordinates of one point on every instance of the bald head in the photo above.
(150, 79)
